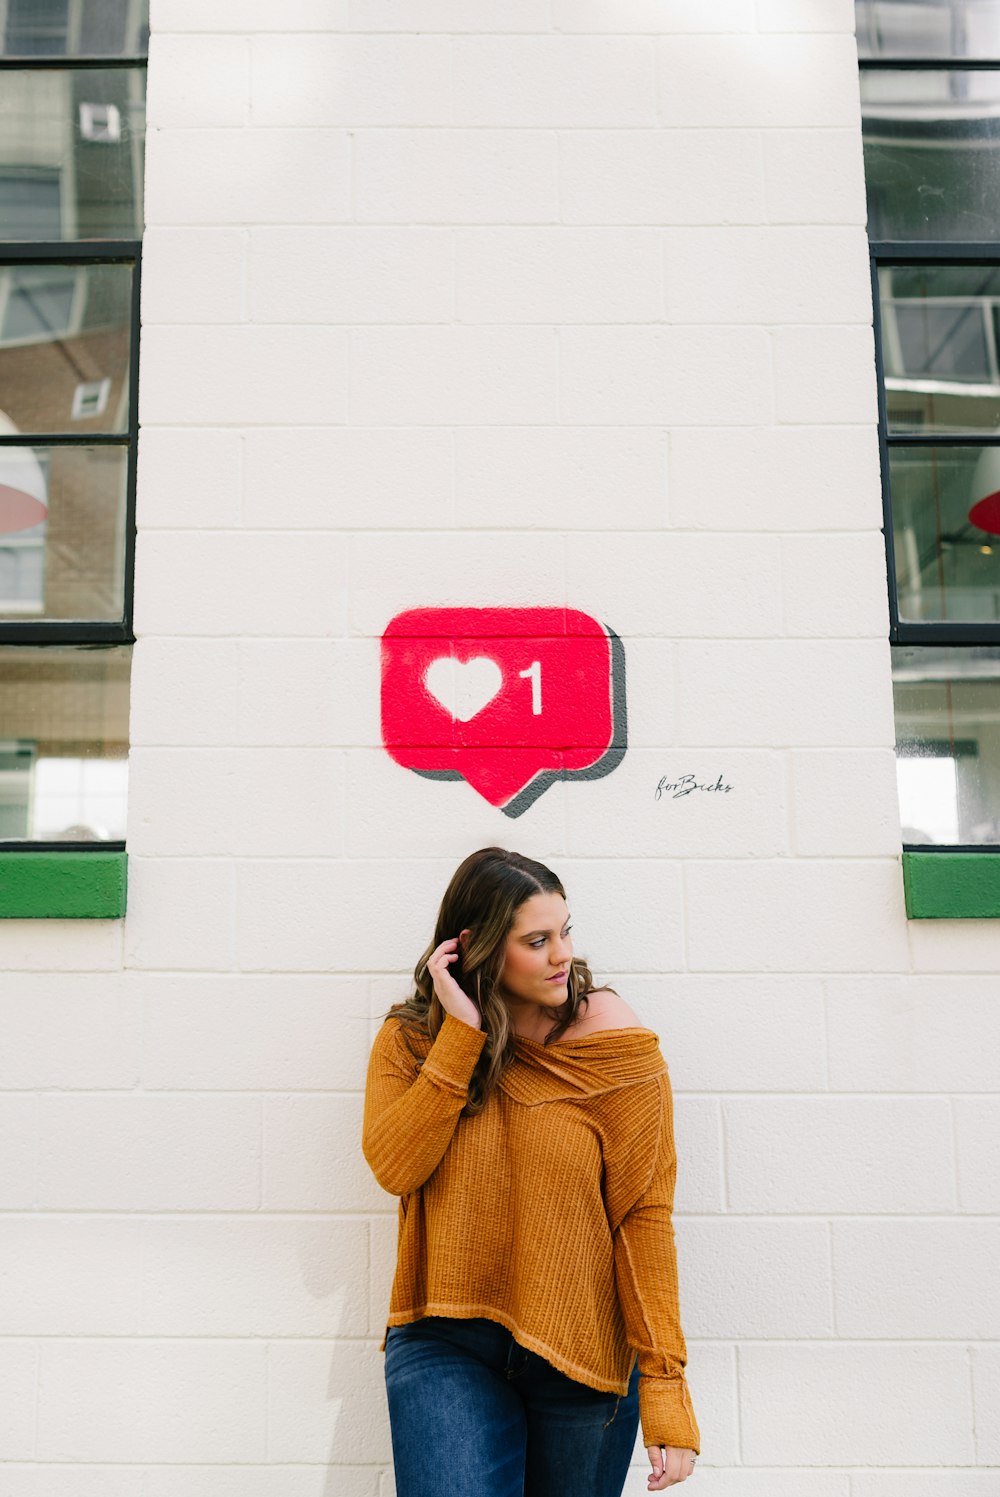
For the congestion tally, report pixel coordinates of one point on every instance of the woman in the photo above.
(524, 1118)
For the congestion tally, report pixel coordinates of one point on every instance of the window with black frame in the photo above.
(930, 91)
(72, 127)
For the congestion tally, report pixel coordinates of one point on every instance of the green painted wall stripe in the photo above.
(62, 885)
(952, 885)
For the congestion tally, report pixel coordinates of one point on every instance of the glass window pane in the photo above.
(928, 28)
(946, 532)
(87, 28)
(932, 153)
(62, 328)
(71, 153)
(939, 327)
(63, 742)
(948, 743)
(62, 532)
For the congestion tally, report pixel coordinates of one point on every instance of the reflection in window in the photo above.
(71, 153)
(947, 702)
(64, 711)
(932, 153)
(946, 532)
(928, 28)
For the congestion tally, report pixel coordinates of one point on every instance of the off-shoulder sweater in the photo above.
(550, 1211)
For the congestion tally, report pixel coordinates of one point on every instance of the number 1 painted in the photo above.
(534, 670)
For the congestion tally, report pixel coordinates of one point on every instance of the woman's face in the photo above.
(538, 948)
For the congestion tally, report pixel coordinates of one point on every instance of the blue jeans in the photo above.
(475, 1414)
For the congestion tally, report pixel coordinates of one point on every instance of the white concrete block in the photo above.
(651, 690)
(200, 81)
(839, 1154)
(309, 692)
(977, 1134)
(741, 82)
(393, 812)
(252, 1033)
(908, 1279)
(18, 1151)
(188, 479)
(468, 376)
(219, 376)
(449, 15)
(313, 1159)
(835, 585)
(542, 478)
(324, 79)
(259, 1481)
(650, 376)
(698, 1137)
(945, 1483)
(824, 374)
(326, 1404)
(785, 693)
(19, 1391)
(678, 585)
(148, 1153)
(626, 913)
(814, 176)
(954, 945)
(221, 582)
(454, 176)
(795, 916)
(652, 15)
(330, 478)
(763, 274)
(559, 275)
(71, 1481)
(81, 1033)
(352, 273)
(660, 177)
(240, 176)
(194, 275)
(70, 1276)
(180, 913)
(985, 1362)
(818, 15)
(112, 1399)
(246, 802)
(249, 15)
(554, 81)
(796, 1402)
(734, 1481)
(742, 1032)
(60, 945)
(183, 691)
(248, 1277)
(472, 570)
(624, 815)
(775, 478)
(913, 1034)
(750, 1278)
(844, 803)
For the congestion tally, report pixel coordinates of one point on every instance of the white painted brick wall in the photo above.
(530, 302)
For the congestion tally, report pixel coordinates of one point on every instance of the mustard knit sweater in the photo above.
(549, 1211)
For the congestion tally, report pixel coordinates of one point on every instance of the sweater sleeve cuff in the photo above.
(452, 1058)
(666, 1413)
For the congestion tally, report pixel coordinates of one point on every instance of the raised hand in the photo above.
(451, 997)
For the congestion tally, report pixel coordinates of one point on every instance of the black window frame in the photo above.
(94, 633)
(926, 252)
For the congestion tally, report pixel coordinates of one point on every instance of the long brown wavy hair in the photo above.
(484, 894)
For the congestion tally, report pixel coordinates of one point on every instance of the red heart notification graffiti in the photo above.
(509, 699)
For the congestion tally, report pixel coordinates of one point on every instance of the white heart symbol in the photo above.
(463, 687)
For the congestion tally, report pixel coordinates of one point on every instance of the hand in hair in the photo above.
(450, 995)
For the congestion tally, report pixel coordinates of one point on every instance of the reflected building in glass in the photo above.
(72, 130)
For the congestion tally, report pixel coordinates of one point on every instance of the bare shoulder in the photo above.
(606, 1010)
